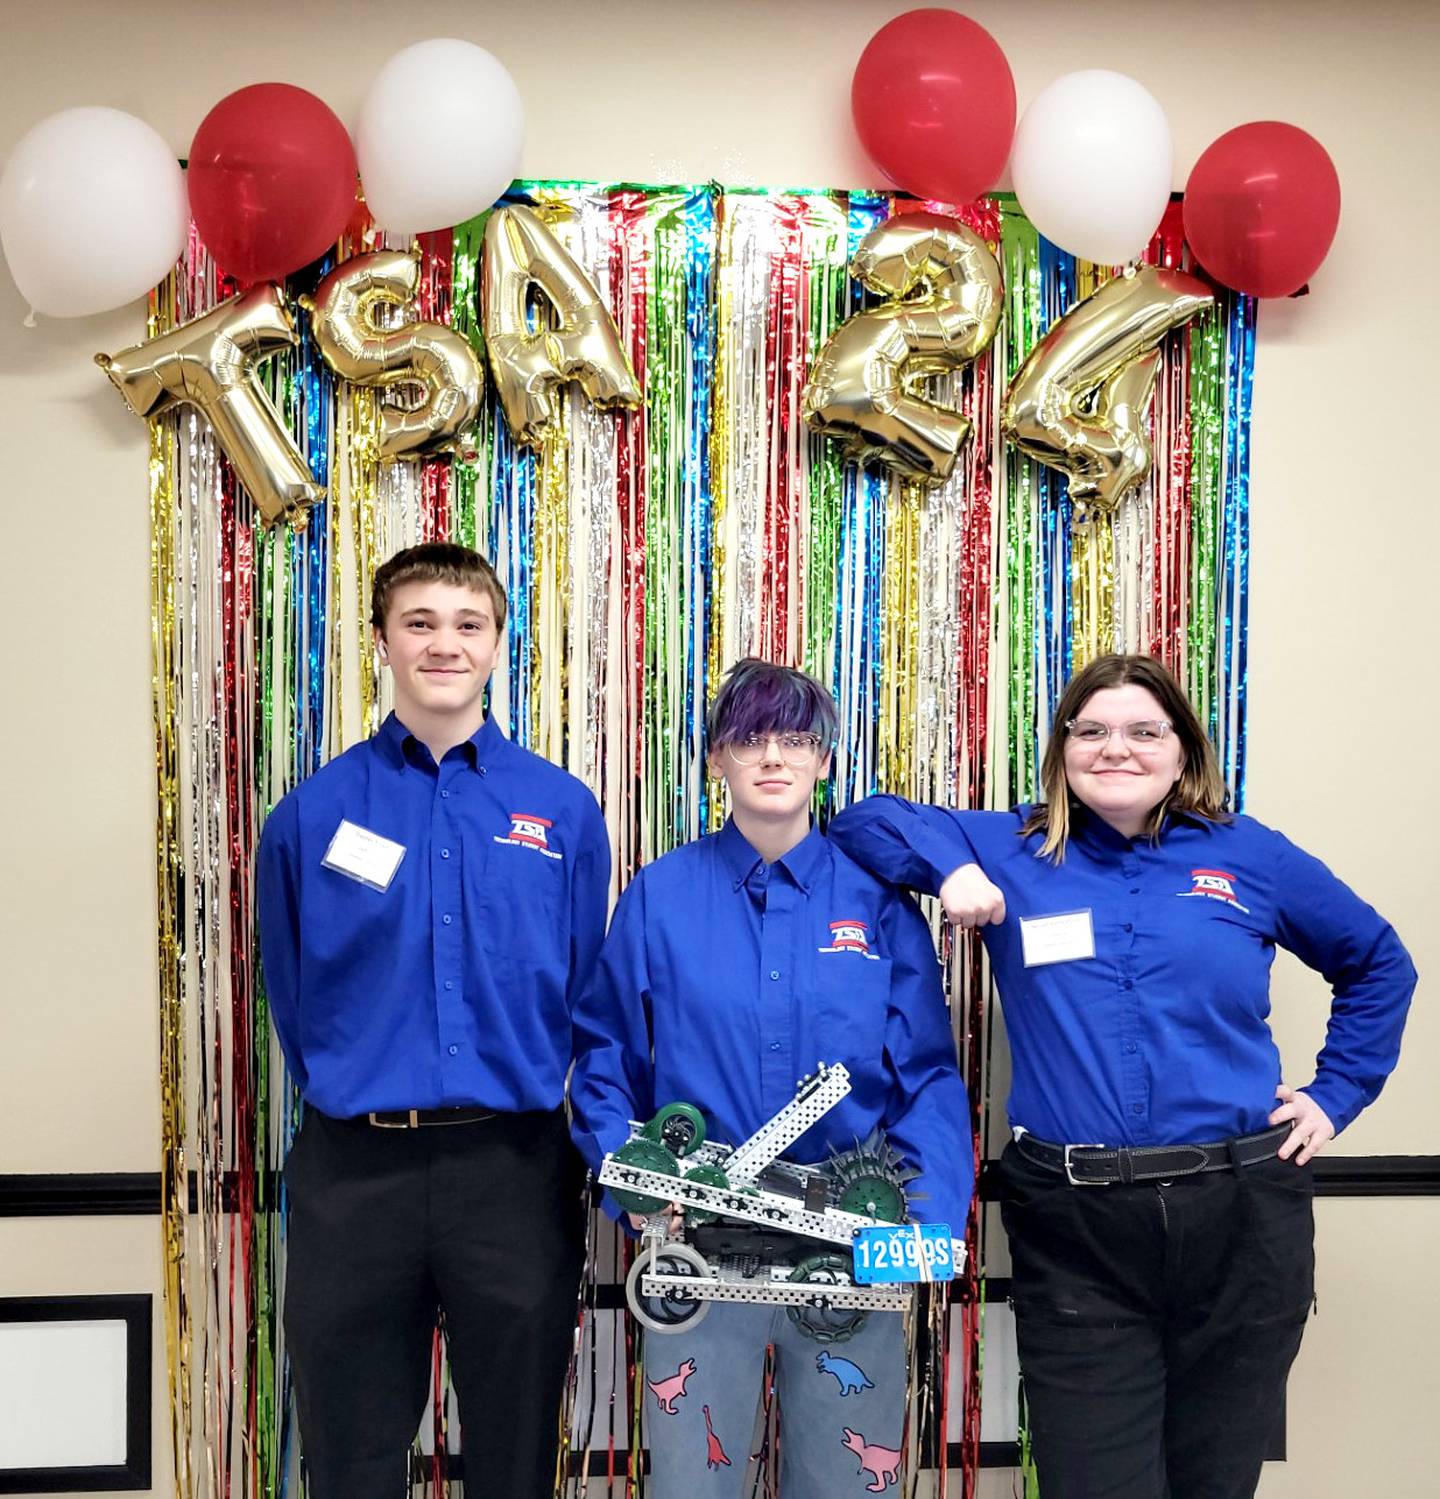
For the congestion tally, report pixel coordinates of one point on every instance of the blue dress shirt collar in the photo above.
(1097, 834)
(400, 747)
(801, 862)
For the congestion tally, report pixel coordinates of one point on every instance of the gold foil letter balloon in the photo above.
(210, 363)
(344, 316)
(528, 367)
(946, 309)
(1079, 403)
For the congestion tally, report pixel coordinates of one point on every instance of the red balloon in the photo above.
(934, 105)
(1261, 208)
(272, 180)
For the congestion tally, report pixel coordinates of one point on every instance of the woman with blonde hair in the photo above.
(1157, 1192)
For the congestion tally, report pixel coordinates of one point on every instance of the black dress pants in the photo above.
(1156, 1324)
(483, 1221)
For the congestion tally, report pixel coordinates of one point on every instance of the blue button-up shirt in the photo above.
(724, 980)
(453, 986)
(1162, 1037)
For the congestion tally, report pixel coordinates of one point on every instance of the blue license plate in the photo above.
(903, 1252)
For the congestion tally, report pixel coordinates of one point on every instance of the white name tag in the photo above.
(1057, 939)
(363, 855)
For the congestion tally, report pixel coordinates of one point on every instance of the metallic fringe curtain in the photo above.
(642, 553)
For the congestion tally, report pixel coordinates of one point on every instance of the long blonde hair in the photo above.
(1200, 791)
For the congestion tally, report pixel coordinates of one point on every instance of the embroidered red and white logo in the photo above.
(529, 831)
(1215, 884)
(849, 936)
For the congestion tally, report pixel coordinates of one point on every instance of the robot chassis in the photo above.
(767, 1256)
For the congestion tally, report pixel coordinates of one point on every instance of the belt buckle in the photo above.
(378, 1123)
(1070, 1176)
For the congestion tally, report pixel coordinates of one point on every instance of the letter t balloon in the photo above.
(210, 363)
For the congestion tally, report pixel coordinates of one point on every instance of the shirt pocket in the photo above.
(341, 916)
(1212, 973)
(521, 899)
(848, 1002)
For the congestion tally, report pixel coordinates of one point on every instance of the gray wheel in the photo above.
(673, 1312)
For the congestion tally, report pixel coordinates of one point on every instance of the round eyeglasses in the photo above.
(1143, 734)
(795, 749)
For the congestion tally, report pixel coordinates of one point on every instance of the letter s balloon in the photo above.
(344, 315)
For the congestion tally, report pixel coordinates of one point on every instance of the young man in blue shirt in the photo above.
(733, 966)
(428, 901)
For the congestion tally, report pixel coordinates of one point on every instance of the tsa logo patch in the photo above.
(529, 831)
(849, 936)
(1215, 884)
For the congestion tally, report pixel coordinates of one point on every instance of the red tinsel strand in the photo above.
(786, 325)
(629, 281)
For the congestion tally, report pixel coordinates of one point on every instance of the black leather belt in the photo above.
(1104, 1166)
(420, 1118)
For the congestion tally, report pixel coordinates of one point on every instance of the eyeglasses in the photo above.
(795, 749)
(1143, 734)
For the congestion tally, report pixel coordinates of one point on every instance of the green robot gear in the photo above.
(874, 1197)
(870, 1180)
(643, 1155)
(708, 1176)
(679, 1127)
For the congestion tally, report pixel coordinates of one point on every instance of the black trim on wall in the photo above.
(137, 1193)
(105, 1194)
(134, 1473)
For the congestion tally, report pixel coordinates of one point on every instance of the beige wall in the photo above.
(1345, 540)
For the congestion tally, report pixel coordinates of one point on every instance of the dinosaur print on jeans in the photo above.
(882, 1462)
(714, 1452)
(849, 1376)
(668, 1391)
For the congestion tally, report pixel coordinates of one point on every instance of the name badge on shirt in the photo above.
(364, 856)
(1064, 938)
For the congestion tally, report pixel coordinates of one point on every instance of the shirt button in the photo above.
(774, 973)
(444, 853)
(1137, 1108)
(454, 1050)
(445, 796)
(774, 1046)
(449, 984)
(1129, 1046)
(446, 920)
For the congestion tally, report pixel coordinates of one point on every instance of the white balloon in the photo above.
(92, 211)
(1092, 165)
(439, 136)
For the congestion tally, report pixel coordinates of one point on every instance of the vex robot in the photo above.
(757, 1228)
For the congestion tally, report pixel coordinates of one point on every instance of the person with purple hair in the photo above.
(732, 967)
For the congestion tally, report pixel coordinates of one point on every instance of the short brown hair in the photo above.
(1200, 791)
(435, 562)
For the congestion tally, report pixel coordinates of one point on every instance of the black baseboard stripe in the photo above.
(129, 1194)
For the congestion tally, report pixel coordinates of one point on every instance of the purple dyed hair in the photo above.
(759, 697)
